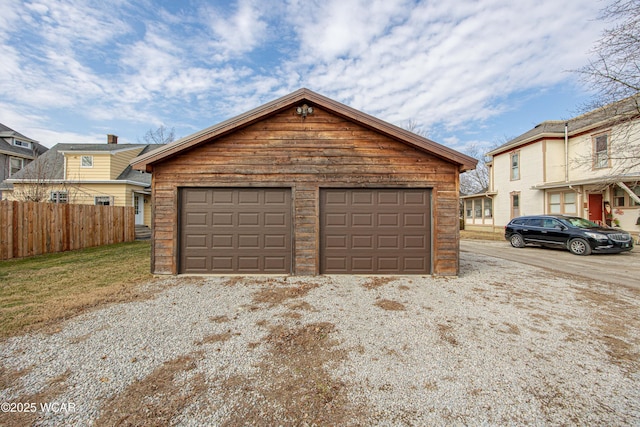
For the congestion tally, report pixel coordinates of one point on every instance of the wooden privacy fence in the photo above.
(31, 228)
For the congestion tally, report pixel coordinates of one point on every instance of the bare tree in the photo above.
(477, 180)
(415, 127)
(614, 72)
(161, 135)
(39, 178)
(614, 76)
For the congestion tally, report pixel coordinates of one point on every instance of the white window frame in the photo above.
(515, 169)
(563, 200)
(59, 197)
(100, 200)
(601, 159)
(11, 160)
(89, 161)
(23, 144)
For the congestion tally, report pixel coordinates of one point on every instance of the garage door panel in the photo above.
(196, 241)
(414, 220)
(388, 231)
(388, 198)
(388, 220)
(388, 265)
(243, 230)
(336, 219)
(196, 218)
(336, 242)
(415, 198)
(275, 219)
(362, 198)
(361, 220)
(219, 196)
(362, 264)
(362, 242)
(275, 241)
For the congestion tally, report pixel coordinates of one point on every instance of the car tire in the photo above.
(516, 240)
(579, 247)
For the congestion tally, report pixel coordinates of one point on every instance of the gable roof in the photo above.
(609, 114)
(6, 147)
(51, 163)
(146, 161)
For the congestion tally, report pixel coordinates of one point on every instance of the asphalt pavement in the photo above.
(617, 269)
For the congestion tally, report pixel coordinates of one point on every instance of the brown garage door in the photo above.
(235, 230)
(375, 231)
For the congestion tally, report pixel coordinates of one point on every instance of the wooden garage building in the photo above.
(305, 185)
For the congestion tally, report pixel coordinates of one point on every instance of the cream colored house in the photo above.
(93, 174)
(587, 166)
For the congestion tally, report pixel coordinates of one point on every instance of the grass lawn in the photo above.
(38, 291)
(481, 235)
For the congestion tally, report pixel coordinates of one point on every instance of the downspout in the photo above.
(566, 152)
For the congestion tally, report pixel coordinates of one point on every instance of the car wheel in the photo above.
(516, 241)
(579, 247)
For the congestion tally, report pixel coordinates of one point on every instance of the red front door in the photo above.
(595, 207)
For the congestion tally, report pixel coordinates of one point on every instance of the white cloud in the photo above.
(238, 32)
(441, 64)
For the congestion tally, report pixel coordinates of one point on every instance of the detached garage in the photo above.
(305, 185)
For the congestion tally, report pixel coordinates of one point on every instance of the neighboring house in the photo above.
(94, 174)
(568, 167)
(16, 151)
(305, 185)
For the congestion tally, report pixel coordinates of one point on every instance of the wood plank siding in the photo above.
(323, 150)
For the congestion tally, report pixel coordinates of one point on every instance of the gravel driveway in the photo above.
(502, 344)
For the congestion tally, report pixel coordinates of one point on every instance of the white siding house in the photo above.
(587, 166)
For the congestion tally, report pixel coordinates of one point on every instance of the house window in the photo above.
(59, 197)
(469, 208)
(555, 203)
(618, 197)
(102, 200)
(515, 205)
(563, 203)
(477, 208)
(488, 208)
(86, 161)
(601, 151)
(515, 166)
(570, 204)
(19, 143)
(15, 164)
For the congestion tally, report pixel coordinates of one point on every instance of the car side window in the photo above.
(534, 222)
(555, 224)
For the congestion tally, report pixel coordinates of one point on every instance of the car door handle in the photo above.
(544, 231)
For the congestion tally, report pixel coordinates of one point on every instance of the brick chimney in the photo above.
(112, 139)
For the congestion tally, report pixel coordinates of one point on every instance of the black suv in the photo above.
(578, 235)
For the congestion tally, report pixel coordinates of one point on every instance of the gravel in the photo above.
(502, 344)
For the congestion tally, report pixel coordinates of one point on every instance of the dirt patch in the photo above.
(376, 282)
(157, 398)
(613, 320)
(209, 339)
(300, 305)
(445, 332)
(293, 386)
(219, 319)
(8, 377)
(277, 295)
(390, 305)
(54, 388)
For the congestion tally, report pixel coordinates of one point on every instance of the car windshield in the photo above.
(581, 222)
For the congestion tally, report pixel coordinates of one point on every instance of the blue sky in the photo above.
(468, 72)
